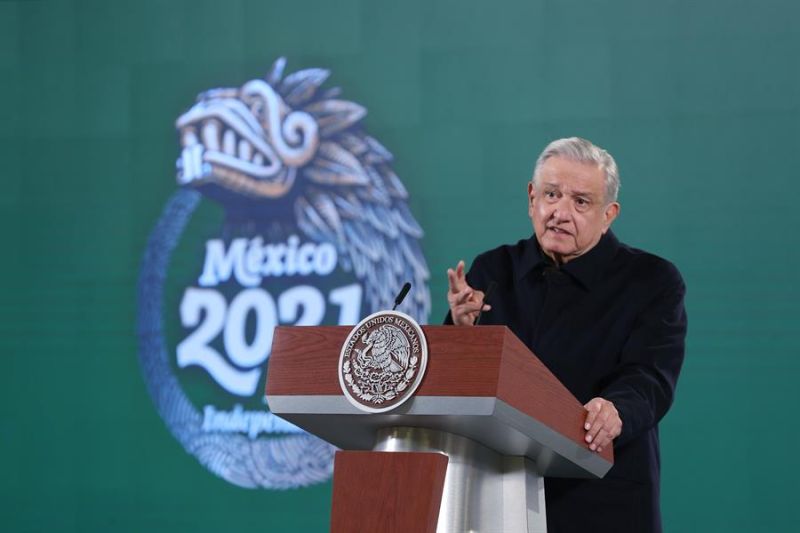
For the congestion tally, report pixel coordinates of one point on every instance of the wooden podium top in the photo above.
(481, 382)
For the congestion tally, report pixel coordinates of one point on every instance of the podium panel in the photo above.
(392, 492)
(486, 424)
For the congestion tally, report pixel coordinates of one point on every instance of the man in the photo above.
(607, 319)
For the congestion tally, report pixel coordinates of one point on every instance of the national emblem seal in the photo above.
(383, 361)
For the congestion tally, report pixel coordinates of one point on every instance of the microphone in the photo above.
(486, 295)
(401, 295)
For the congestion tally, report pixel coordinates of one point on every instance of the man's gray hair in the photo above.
(583, 151)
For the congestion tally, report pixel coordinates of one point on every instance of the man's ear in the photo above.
(611, 212)
(531, 195)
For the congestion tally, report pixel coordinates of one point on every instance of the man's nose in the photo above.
(561, 212)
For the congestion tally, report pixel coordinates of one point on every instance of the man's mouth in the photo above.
(558, 231)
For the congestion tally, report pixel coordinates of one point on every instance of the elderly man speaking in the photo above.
(607, 319)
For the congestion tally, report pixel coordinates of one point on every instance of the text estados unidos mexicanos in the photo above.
(356, 336)
(363, 329)
(411, 332)
(250, 260)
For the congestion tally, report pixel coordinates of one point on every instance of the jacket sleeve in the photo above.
(643, 386)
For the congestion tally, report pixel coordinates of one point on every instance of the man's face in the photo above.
(568, 208)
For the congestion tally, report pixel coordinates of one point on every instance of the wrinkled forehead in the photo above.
(570, 176)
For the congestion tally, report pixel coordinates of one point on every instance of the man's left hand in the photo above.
(602, 425)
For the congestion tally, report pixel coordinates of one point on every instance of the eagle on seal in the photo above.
(387, 350)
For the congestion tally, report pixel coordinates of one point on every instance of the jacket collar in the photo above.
(587, 269)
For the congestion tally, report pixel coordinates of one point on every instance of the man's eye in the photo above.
(550, 194)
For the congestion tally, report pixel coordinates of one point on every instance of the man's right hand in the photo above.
(465, 302)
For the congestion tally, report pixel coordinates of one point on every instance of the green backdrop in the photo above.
(699, 101)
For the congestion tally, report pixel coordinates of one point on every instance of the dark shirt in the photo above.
(609, 323)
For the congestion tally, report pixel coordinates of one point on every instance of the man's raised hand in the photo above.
(464, 301)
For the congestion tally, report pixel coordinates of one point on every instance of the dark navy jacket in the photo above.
(609, 323)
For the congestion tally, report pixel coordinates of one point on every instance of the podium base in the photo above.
(387, 492)
(483, 490)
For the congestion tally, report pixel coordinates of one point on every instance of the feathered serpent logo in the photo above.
(316, 229)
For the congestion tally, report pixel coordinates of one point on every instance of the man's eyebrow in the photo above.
(552, 185)
(585, 194)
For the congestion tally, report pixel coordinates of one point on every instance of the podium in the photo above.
(468, 452)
